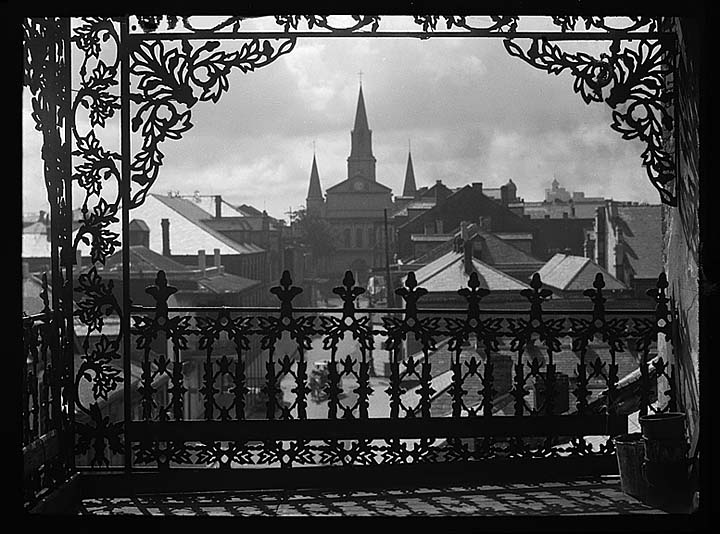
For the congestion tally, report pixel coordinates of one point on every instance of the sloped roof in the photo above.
(144, 259)
(35, 246)
(479, 199)
(642, 235)
(188, 234)
(227, 283)
(346, 186)
(500, 251)
(36, 227)
(575, 273)
(207, 203)
(447, 273)
(247, 209)
(138, 224)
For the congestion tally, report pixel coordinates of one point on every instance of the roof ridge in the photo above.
(577, 272)
(359, 177)
(441, 269)
(497, 271)
(217, 235)
(506, 243)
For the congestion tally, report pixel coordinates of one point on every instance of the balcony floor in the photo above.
(597, 496)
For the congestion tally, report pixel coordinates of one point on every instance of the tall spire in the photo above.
(361, 161)
(361, 122)
(409, 189)
(314, 200)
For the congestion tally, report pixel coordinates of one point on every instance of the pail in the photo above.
(663, 426)
(630, 452)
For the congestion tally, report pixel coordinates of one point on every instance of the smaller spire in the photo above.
(409, 188)
(314, 190)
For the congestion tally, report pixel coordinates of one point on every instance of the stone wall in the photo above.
(681, 231)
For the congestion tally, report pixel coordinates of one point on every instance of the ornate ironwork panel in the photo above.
(143, 76)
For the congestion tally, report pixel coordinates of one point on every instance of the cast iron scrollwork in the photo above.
(632, 82)
(488, 332)
(548, 331)
(583, 331)
(239, 331)
(168, 79)
(301, 331)
(335, 329)
(397, 329)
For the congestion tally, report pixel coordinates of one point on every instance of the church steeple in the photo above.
(361, 161)
(314, 200)
(409, 188)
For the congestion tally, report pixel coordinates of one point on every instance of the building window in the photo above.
(359, 238)
(371, 237)
(346, 237)
(565, 214)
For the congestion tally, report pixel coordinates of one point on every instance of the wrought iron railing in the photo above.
(45, 467)
(481, 423)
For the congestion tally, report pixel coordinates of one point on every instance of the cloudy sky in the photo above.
(470, 111)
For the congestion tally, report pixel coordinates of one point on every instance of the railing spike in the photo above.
(599, 282)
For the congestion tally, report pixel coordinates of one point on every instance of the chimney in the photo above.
(165, 223)
(202, 262)
(218, 206)
(467, 248)
(504, 196)
(216, 260)
(478, 186)
(468, 257)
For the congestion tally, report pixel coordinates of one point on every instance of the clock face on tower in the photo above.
(359, 185)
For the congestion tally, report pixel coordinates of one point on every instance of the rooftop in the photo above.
(575, 273)
(447, 273)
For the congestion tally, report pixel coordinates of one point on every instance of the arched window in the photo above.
(359, 238)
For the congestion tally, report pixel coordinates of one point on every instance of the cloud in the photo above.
(472, 113)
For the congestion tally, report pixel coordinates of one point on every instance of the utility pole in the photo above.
(388, 281)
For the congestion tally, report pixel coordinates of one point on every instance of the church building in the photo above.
(355, 207)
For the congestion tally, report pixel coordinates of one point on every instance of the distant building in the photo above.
(628, 243)
(355, 208)
(435, 225)
(491, 249)
(559, 203)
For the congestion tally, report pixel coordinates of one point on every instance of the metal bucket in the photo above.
(630, 452)
(663, 426)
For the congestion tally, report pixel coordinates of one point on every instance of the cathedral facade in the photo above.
(355, 208)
